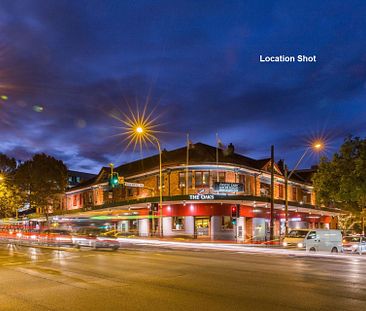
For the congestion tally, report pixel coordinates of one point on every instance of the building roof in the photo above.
(199, 153)
(82, 175)
(304, 175)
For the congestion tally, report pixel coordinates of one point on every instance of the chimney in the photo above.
(230, 149)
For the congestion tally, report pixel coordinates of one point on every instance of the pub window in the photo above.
(178, 223)
(307, 197)
(247, 188)
(226, 223)
(74, 201)
(205, 178)
(242, 180)
(294, 194)
(265, 189)
(182, 179)
(202, 179)
(221, 176)
(280, 191)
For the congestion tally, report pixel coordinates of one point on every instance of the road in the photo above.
(142, 277)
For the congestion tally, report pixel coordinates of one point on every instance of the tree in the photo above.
(341, 181)
(44, 180)
(10, 197)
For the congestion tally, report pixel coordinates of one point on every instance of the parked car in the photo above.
(295, 238)
(92, 237)
(315, 240)
(354, 244)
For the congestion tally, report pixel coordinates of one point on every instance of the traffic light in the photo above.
(113, 180)
(233, 212)
(121, 180)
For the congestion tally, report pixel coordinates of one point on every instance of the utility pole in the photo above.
(286, 197)
(271, 224)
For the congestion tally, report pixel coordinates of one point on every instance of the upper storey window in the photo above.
(183, 179)
(221, 176)
(202, 179)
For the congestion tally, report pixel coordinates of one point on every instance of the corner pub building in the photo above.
(199, 198)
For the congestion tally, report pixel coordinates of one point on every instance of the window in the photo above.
(306, 196)
(77, 179)
(242, 180)
(294, 194)
(221, 176)
(74, 201)
(265, 189)
(280, 191)
(226, 223)
(182, 179)
(178, 223)
(202, 179)
(311, 236)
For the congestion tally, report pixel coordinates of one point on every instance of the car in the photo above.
(92, 237)
(295, 238)
(354, 244)
(315, 240)
(59, 237)
(324, 240)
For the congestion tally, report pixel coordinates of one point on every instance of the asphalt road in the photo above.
(151, 278)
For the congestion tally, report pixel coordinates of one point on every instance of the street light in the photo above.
(140, 128)
(143, 134)
(316, 146)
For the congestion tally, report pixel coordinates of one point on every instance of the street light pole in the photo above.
(317, 146)
(287, 177)
(160, 189)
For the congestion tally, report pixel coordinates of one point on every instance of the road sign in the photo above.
(136, 185)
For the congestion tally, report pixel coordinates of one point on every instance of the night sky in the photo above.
(68, 66)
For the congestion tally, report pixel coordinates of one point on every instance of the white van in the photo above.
(315, 240)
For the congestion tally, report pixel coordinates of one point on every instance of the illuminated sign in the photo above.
(228, 187)
(201, 197)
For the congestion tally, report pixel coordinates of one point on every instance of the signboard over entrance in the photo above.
(201, 197)
(228, 187)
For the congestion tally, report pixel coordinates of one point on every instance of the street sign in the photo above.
(135, 185)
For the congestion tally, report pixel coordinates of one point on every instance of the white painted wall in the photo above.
(259, 229)
(144, 227)
(189, 225)
(167, 226)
